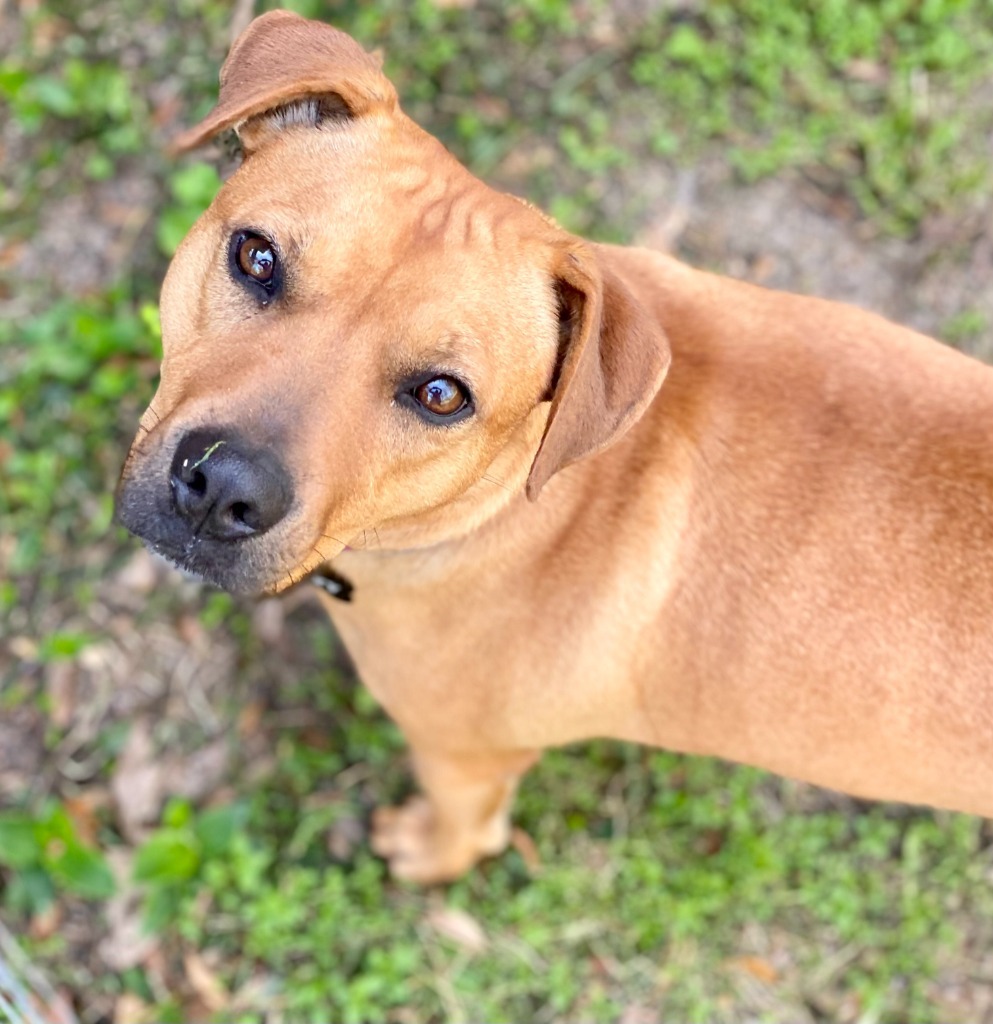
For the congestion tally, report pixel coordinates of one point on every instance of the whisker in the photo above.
(493, 480)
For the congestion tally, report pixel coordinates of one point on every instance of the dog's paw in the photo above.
(419, 850)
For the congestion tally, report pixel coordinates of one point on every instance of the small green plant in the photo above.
(968, 326)
(192, 189)
(93, 101)
(875, 93)
(87, 366)
(45, 856)
(174, 858)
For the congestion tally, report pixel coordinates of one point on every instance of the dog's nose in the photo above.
(227, 490)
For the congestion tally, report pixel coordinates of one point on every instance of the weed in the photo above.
(48, 857)
(69, 378)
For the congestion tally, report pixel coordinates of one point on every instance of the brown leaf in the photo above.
(637, 1013)
(142, 573)
(167, 111)
(525, 846)
(459, 927)
(192, 630)
(198, 774)
(205, 982)
(11, 252)
(758, 967)
(126, 944)
(130, 1010)
(250, 719)
(83, 810)
(268, 618)
(138, 783)
(46, 922)
(864, 70)
(23, 647)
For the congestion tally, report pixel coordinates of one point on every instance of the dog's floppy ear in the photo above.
(283, 59)
(614, 358)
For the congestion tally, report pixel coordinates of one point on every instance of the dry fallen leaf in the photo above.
(199, 773)
(138, 783)
(268, 620)
(208, 987)
(23, 647)
(250, 719)
(45, 923)
(637, 1013)
(458, 926)
(127, 943)
(142, 573)
(525, 846)
(757, 967)
(130, 1009)
(83, 811)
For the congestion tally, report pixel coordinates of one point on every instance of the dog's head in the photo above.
(360, 338)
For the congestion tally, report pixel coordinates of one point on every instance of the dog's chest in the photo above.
(485, 665)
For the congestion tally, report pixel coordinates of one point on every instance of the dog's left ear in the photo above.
(281, 59)
(614, 358)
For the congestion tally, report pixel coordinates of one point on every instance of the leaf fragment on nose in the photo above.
(207, 454)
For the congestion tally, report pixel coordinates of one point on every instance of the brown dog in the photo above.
(783, 556)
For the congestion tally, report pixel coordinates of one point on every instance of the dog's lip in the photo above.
(181, 557)
(224, 578)
(193, 560)
(207, 561)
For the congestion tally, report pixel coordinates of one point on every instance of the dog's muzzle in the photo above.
(208, 507)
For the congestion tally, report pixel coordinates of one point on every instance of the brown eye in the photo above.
(442, 396)
(257, 259)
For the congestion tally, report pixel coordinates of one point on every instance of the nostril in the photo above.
(226, 489)
(239, 519)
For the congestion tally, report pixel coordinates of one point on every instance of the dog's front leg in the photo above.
(463, 816)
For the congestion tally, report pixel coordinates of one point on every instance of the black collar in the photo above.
(332, 583)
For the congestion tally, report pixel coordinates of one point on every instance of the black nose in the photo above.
(225, 489)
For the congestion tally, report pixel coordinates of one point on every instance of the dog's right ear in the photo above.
(310, 70)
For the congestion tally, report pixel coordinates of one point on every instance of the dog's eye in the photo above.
(442, 396)
(257, 259)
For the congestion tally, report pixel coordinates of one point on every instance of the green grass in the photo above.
(658, 873)
(653, 910)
